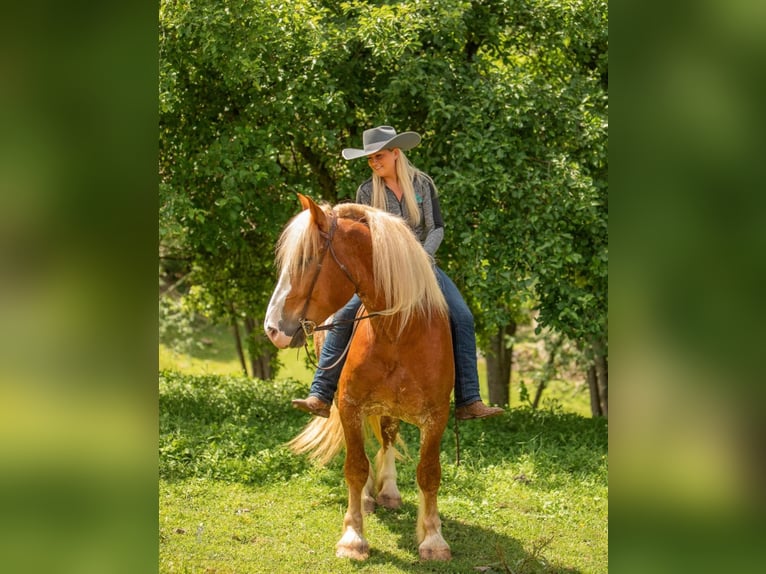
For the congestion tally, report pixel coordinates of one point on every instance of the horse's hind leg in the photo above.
(357, 468)
(432, 544)
(385, 465)
(368, 493)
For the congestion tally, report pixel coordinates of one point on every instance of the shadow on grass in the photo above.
(474, 548)
(558, 443)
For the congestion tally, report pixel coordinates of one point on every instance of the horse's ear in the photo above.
(318, 216)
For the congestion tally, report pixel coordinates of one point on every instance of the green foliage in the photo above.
(227, 428)
(524, 128)
(257, 99)
(176, 325)
(524, 393)
(233, 428)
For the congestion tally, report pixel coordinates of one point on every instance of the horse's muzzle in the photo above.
(285, 334)
(298, 338)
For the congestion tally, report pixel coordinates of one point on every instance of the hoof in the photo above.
(362, 553)
(434, 548)
(352, 546)
(442, 554)
(392, 502)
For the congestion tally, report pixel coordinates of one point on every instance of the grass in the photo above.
(529, 496)
(215, 353)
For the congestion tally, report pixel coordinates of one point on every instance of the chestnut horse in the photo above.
(399, 365)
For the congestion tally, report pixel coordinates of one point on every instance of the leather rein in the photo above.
(310, 327)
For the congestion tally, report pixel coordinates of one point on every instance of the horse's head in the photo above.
(311, 286)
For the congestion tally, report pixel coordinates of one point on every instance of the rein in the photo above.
(310, 327)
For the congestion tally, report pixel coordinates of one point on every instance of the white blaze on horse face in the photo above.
(274, 313)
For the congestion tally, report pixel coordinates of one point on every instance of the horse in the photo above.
(399, 364)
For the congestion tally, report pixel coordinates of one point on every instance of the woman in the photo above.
(398, 187)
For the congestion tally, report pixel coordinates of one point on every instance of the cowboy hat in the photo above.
(382, 137)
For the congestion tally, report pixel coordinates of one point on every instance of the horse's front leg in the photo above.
(429, 528)
(357, 468)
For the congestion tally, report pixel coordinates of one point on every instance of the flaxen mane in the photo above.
(402, 269)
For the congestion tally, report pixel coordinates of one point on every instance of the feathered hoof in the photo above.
(354, 553)
(352, 546)
(444, 554)
(392, 502)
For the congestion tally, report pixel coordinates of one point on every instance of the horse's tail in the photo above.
(322, 438)
(372, 427)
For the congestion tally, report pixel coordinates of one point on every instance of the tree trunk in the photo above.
(548, 371)
(262, 364)
(254, 360)
(595, 403)
(261, 352)
(238, 340)
(499, 362)
(602, 375)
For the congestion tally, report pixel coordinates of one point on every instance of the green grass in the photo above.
(215, 353)
(530, 494)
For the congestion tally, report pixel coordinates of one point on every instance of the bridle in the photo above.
(310, 327)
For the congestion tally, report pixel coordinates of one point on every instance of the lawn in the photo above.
(530, 494)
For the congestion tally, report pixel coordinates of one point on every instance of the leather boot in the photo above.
(477, 410)
(313, 405)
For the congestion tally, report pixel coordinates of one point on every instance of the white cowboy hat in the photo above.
(382, 137)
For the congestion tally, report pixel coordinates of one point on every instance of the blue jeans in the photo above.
(325, 381)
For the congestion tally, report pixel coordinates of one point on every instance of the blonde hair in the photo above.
(408, 283)
(401, 268)
(405, 174)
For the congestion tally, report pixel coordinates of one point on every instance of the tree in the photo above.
(517, 104)
(257, 99)
(231, 131)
